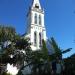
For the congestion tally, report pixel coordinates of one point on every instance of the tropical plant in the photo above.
(57, 51)
(15, 49)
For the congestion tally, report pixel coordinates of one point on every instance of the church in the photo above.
(36, 30)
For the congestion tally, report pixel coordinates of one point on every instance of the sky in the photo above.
(59, 19)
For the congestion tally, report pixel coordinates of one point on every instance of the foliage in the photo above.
(55, 47)
(20, 50)
(44, 50)
(4, 73)
(58, 52)
(40, 61)
(70, 65)
(13, 45)
(6, 33)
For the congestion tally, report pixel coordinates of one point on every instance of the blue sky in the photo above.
(59, 19)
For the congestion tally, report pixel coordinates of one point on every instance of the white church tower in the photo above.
(35, 27)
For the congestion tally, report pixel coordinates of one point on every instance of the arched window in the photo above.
(35, 18)
(39, 19)
(40, 39)
(36, 6)
(35, 38)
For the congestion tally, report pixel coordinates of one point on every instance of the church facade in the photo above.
(36, 30)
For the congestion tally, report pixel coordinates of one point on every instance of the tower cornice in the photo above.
(38, 10)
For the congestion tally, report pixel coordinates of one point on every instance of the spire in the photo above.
(36, 4)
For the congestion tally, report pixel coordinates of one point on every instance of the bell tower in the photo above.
(35, 25)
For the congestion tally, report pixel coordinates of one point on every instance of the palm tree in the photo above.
(57, 51)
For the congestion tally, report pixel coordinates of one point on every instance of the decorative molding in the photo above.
(38, 10)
